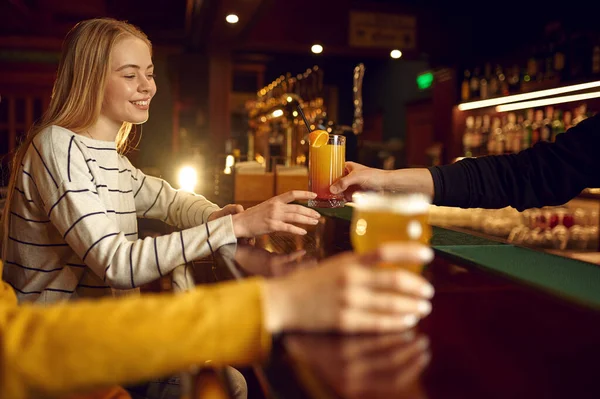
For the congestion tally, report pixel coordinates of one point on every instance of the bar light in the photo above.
(232, 19)
(528, 96)
(547, 101)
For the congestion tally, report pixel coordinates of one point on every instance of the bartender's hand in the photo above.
(348, 293)
(359, 177)
(230, 209)
(276, 214)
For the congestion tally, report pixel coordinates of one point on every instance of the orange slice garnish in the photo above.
(318, 138)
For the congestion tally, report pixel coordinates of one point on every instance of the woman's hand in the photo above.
(230, 209)
(349, 293)
(276, 214)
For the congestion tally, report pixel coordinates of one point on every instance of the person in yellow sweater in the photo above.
(91, 345)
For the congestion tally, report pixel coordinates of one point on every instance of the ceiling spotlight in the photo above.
(395, 54)
(232, 19)
(316, 48)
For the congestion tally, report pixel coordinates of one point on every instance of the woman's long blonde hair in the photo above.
(78, 90)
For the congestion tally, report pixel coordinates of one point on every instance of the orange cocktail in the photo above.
(378, 218)
(327, 156)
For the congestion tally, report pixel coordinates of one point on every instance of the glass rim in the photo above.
(400, 203)
(332, 137)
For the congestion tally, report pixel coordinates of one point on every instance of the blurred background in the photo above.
(388, 74)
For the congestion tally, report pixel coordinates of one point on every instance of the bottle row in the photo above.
(549, 64)
(553, 227)
(515, 131)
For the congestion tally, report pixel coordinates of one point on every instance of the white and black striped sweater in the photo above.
(73, 226)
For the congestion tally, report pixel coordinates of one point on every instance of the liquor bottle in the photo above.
(580, 114)
(518, 139)
(559, 59)
(477, 137)
(510, 132)
(596, 60)
(540, 59)
(568, 120)
(491, 143)
(549, 62)
(468, 136)
(558, 125)
(507, 132)
(465, 90)
(502, 83)
(525, 79)
(577, 53)
(498, 143)
(493, 86)
(474, 84)
(485, 135)
(532, 68)
(536, 127)
(546, 129)
(527, 130)
(483, 83)
(514, 80)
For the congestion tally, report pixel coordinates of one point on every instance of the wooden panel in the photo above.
(285, 183)
(444, 99)
(219, 89)
(12, 129)
(28, 112)
(253, 188)
(419, 132)
(25, 91)
(20, 116)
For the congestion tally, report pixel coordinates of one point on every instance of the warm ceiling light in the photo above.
(232, 19)
(395, 54)
(527, 96)
(547, 101)
(316, 48)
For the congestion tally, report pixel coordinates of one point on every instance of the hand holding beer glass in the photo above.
(383, 217)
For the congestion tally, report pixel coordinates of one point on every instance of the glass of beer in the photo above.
(327, 157)
(378, 218)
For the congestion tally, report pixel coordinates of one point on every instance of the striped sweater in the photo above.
(73, 222)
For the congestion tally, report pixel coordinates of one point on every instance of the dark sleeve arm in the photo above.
(546, 174)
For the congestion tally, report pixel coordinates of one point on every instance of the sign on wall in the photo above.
(394, 31)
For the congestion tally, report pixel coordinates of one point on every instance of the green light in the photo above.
(425, 80)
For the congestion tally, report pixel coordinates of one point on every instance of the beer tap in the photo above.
(357, 124)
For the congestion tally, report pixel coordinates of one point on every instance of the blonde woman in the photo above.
(70, 219)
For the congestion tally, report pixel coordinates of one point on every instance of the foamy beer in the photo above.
(378, 218)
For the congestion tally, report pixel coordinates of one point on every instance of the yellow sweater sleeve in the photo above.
(86, 345)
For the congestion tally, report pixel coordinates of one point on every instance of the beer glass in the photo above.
(381, 217)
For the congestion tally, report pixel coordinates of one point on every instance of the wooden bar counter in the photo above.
(507, 322)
